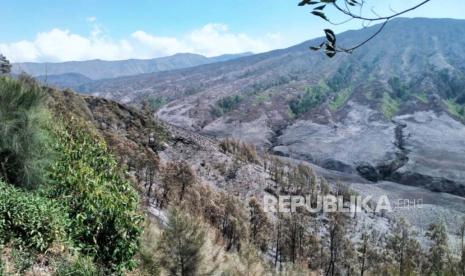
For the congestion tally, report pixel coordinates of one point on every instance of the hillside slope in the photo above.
(378, 112)
(113, 163)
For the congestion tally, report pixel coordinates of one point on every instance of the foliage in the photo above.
(450, 84)
(2, 263)
(438, 252)
(311, 98)
(455, 109)
(30, 220)
(155, 102)
(405, 247)
(5, 65)
(80, 266)
(340, 99)
(349, 9)
(23, 259)
(243, 151)
(180, 244)
(102, 206)
(226, 104)
(389, 106)
(342, 77)
(24, 140)
(400, 89)
(261, 98)
(422, 97)
(149, 264)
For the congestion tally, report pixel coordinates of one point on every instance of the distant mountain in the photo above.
(68, 80)
(100, 69)
(393, 110)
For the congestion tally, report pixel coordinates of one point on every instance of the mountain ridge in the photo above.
(101, 69)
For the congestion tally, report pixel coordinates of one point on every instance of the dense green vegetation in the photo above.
(311, 98)
(24, 139)
(30, 220)
(389, 106)
(450, 87)
(399, 89)
(226, 104)
(77, 199)
(103, 206)
(79, 266)
(340, 99)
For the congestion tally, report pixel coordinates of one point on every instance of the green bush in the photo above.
(311, 98)
(24, 153)
(105, 222)
(33, 221)
(23, 259)
(226, 104)
(80, 266)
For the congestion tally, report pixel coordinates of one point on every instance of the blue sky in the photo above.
(60, 30)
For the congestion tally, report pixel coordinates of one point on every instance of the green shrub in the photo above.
(23, 259)
(33, 221)
(80, 266)
(311, 98)
(24, 153)
(226, 104)
(105, 222)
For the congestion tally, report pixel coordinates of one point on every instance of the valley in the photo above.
(154, 165)
(342, 114)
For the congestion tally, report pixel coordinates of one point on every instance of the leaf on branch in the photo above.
(316, 48)
(320, 8)
(352, 2)
(308, 2)
(330, 51)
(330, 36)
(320, 14)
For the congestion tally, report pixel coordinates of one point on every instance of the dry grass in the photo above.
(243, 151)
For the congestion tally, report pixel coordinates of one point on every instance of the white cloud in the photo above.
(159, 45)
(62, 45)
(216, 39)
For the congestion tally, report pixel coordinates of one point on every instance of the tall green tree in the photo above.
(405, 247)
(439, 251)
(181, 244)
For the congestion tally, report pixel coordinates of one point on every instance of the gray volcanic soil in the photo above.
(340, 146)
(423, 149)
(436, 151)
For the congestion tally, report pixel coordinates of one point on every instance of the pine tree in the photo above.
(405, 247)
(181, 244)
(5, 65)
(438, 252)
